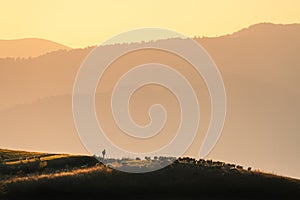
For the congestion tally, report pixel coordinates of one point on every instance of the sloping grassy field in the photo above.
(83, 177)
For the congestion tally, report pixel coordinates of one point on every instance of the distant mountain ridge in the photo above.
(34, 47)
(264, 28)
(28, 47)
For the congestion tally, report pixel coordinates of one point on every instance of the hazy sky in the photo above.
(90, 22)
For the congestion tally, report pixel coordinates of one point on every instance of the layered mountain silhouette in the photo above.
(28, 47)
(260, 68)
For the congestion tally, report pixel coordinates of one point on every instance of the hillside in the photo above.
(82, 177)
(28, 47)
(6, 154)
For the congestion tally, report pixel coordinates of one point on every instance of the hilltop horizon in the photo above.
(20, 47)
(28, 174)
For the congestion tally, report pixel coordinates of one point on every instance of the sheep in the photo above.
(209, 162)
(239, 167)
(148, 158)
(232, 165)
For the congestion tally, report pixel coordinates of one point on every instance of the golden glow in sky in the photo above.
(83, 23)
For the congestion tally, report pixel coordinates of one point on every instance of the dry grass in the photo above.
(83, 176)
(52, 175)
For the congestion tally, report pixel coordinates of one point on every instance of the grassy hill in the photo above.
(82, 177)
(11, 154)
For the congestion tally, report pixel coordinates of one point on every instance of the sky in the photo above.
(91, 22)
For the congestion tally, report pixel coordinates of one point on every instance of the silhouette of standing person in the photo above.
(103, 153)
